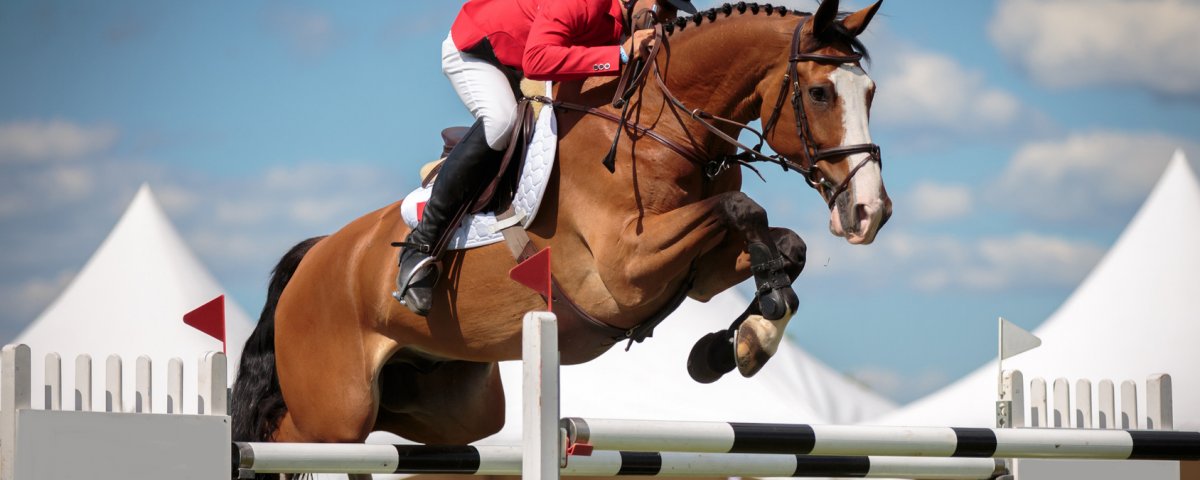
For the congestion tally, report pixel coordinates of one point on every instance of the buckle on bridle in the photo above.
(715, 167)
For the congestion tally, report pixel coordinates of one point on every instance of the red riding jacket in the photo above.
(546, 39)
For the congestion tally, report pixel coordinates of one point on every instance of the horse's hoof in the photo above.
(711, 357)
(776, 303)
(756, 341)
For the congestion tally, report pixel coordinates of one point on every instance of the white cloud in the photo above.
(1085, 176)
(69, 181)
(318, 211)
(1031, 259)
(33, 141)
(176, 199)
(308, 176)
(238, 225)
(934, 263)
(921, 89)
(998, 263)
(930, 201)
(1063, 43)
(247, 223)
(239, 213)
(35, 190)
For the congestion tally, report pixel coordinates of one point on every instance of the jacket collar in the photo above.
(618, 20)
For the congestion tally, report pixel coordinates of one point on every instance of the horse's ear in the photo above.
(825, 16)
(857, 22)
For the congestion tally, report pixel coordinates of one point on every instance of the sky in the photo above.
(1018, 137)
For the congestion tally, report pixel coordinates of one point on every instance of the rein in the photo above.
(712, 167)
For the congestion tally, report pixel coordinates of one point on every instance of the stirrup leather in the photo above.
(420, 247)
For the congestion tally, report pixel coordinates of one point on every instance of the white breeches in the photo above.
(484, 89)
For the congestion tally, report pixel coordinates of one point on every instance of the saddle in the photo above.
(450, 137)
(518, 184)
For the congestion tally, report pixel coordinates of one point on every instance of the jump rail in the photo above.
(506, 460)
(725, 437)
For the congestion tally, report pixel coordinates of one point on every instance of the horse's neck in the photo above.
(718, 66)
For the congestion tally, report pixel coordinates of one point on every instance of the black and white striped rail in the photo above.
(506, 460)
(727, 437)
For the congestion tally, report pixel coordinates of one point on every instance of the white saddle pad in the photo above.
(481, 229)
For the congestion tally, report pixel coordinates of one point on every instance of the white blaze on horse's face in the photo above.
(859, 212)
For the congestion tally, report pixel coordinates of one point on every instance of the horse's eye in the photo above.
(818, 94)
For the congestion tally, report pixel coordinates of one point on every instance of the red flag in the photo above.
(420, 210)
(534, 273)
(210, 319)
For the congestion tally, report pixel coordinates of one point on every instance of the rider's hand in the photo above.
(639, 44)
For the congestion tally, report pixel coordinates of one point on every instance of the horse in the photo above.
(335, 357)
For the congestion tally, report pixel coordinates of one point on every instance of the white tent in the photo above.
(129, 300)
(1136, 314)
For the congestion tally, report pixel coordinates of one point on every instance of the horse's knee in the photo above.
(741, 211)
(345, 429)
(793, 249)
(351, 430)
(326, 411)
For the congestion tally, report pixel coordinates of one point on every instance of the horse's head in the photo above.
(817, 120)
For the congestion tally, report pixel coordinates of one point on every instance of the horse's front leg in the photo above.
(655, 249)
(773, 287)
(753, 339)
(652, 250)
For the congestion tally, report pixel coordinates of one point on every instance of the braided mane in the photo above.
(711, 15)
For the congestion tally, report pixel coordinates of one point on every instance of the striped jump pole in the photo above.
(729, 437)
(506, 460)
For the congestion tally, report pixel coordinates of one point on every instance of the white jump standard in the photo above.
(506, 460)
(728, 437)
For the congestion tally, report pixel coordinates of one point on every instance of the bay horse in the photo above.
(334, 357)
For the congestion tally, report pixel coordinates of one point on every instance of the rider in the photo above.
(491, 42)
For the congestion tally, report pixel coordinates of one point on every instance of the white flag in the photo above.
(1014, 339)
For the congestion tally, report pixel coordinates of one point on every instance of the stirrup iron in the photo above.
(401, 290)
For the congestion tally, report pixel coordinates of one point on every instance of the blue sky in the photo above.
(1019, 137)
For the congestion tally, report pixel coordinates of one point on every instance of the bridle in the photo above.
(812, 154)
(807, 166)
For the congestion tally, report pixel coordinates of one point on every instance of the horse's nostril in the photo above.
(860, 213)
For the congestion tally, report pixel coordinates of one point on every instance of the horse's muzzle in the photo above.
(858, 222)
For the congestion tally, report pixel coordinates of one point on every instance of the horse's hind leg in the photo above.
(330, 392)
(456, 403)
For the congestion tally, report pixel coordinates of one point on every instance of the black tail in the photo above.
(257, 403)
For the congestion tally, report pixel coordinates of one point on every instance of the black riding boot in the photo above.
(470, 165)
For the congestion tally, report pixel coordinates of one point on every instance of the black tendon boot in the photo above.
(470, 165)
